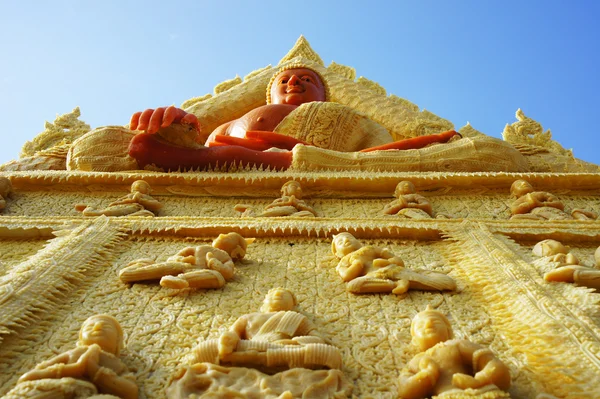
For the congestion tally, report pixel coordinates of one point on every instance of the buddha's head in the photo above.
(549, 248)
(520, 187)
(278, 299)
(232, 243)
(344, 244)
(430, 327)
(140, 186)
(295, 85)
(5, 187)
(103, 330)
(292, 188)
(405, 187)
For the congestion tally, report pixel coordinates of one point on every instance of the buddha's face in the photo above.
(278, 299)
(140, 186)
(405, 187)
(103, 331)
(344, 244)
(428, 329)
(292, 188)
(297, 86)
(520, 187)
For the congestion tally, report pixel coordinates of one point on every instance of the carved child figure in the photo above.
(95, 360)
(369, 269)
(447, 365)
(536, 205)
(138, 203)
(275, 338)
(289, 204)
(5, 191)
(204, 266)
(568, 269)
(408, 203)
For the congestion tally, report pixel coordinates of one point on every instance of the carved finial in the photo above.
(530, 132)
(302, 49)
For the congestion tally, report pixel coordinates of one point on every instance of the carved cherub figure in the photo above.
(536, 205)
(5, 191)
(95, 360)
(447, 364)
(203, 266)
(408, 203)
(289, 204)
(275, 338)
(138, 203)
(568, 269)
(369, 269)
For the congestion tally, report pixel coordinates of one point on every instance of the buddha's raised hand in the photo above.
(151, 120)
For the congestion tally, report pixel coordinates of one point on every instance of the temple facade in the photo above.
(72, 221)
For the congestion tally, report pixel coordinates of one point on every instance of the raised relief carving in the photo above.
(203, 266)
(48, 150)
(568, 268)
(450, 368)
(91, 368)
(5, 191)
(289, 204)
(369, 269)
(535, 205)
(276, 352)
(138, 203)
(409, 204)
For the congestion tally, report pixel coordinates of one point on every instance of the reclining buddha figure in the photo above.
(298, 124)
(370, 269)
(92, 367)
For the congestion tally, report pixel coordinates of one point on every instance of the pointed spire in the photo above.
(302, 49)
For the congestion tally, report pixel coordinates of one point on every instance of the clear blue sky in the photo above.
(474, 61)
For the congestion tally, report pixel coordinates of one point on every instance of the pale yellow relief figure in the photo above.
(93, 367)
(203, 266)
(138, 203)
(5, 191)
(369, 269)
(409, 204)
(450, 368)
(258, 344)
(535, 205)
(289, 204)
(568, 268)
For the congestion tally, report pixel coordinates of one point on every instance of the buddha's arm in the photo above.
(350, 268)
(419, 379)
(142, 270)
(415, 142)
(228, 341)
(221, 262)
(68, 364)
(487, 368)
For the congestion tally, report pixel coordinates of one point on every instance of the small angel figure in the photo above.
(289, 204)
(138, 203)
(449, 366)
(568, 269)
(535, 205)
(95, 361)
(203, 266)
(369, 269)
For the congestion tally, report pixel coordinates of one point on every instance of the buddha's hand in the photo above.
(151, 120)
(465, 381)
(429, 370)
(227, 343)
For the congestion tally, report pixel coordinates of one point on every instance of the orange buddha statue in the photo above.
(249, 139)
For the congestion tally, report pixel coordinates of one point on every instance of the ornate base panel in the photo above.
(547, 333)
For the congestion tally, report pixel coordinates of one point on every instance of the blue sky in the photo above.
(476, 61)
